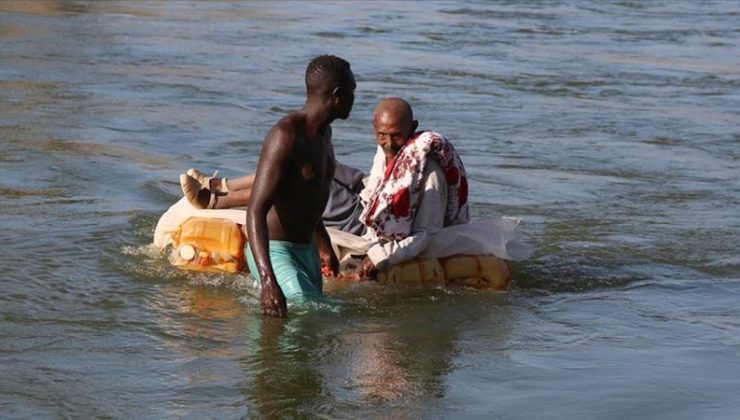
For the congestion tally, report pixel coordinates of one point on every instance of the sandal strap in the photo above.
(212, 201)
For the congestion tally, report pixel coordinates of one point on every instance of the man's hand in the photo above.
(273, 299)
(367, 269)
(329, 264)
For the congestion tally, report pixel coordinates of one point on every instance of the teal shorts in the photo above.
(297, 269)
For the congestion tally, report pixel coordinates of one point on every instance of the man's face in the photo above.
(347, 97)
(391, 132)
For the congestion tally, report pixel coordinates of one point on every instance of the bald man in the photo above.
(417, 186)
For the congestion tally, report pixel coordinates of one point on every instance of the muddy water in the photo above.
(610, 128)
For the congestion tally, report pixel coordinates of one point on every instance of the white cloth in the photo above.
(395, 199)
(496, 237)
(376, 175)
(429, 238)
(429, 220)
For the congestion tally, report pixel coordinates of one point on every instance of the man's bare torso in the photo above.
(304, 191)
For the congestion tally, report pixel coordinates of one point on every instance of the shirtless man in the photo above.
(291, 188)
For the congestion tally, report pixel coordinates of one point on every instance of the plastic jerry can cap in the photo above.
(187, 252)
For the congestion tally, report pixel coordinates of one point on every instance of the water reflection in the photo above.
(395, 360)
(201, 322)
(213, 304)
(401, 366)
(281, 375)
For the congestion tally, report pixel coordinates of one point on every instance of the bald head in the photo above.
(394, 124)
(393, 109)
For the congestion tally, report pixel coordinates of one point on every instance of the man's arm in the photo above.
(429, 220)
(269, 176)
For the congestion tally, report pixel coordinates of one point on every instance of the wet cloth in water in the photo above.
(297, 269)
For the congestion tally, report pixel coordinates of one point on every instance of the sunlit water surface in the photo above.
(610, 128)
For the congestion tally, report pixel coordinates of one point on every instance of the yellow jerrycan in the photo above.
(206, 244)
(479, 271)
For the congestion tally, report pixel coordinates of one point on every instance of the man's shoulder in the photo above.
(293, 121)
(429, 135)
(288, 128)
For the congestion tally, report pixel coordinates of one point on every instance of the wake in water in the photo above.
(147, 262)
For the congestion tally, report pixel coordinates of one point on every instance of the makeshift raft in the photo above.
(214, 241)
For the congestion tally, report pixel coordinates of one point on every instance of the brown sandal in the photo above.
(205, 180)
(192, 188)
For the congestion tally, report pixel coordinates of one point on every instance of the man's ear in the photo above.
(335, 93)
(414, 126)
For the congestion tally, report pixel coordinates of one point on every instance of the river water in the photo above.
(610, 128)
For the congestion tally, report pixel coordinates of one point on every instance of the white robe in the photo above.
(429, 238)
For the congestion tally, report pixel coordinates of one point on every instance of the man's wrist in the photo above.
(267, 278)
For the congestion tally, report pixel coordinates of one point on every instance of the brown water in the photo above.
(610, 128)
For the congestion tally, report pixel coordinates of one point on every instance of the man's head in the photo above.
(330, 78)
(394, 125)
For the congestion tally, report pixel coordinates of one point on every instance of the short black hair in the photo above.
(325, 71)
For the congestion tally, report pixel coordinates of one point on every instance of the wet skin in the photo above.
(298, 171)
(291, 187)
